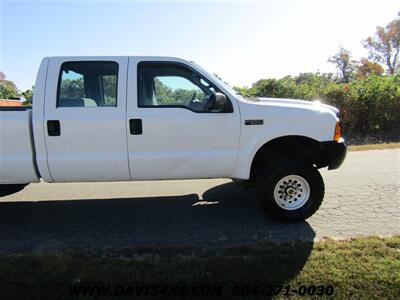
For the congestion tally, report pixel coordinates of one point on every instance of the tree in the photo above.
(367, 68)
(110, 89)
(72, 88)
(344, 65)
(384, 46)
(165, 95)
(244, 91)
(8, 90)
(315, 79)
(28, 95)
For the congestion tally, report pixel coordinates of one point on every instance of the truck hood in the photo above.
(293, 103)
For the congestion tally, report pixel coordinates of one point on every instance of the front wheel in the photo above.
(290, 191)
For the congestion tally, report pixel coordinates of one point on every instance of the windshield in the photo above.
(215, 78)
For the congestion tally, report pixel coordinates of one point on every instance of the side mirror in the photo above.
(217, 102)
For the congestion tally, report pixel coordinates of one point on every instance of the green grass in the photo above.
(381, 146)
(364, 268)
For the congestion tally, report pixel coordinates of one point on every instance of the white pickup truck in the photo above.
(151, 118)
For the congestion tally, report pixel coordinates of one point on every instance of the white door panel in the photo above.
(177, 143)
(92, 145)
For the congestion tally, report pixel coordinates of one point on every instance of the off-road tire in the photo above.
(270, 175)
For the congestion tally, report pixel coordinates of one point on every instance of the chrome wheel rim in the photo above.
(291, 192)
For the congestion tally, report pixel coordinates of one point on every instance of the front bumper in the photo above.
(335, 153)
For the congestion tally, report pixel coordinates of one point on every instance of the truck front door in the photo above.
(85, 119)
(172, 134)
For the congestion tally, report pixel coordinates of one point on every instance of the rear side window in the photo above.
(88, 84)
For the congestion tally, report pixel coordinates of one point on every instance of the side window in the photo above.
(175, 90)
(88, 84)
(165, 84)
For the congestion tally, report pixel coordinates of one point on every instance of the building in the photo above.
(9, 102)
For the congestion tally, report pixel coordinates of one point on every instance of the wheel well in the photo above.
(293, 147)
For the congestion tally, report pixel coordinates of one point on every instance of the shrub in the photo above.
(373, 104)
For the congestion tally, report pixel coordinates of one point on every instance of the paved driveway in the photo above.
(362, 198)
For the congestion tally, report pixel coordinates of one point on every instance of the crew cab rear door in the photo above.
(85, 119)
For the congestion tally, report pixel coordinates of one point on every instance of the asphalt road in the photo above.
(362, 198)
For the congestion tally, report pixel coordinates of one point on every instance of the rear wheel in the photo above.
(289, 191)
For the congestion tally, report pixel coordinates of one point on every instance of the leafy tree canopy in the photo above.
(384, 46)
(8, 90)
(344, 64)
(366, 68)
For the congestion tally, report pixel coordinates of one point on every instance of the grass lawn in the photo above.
(363, 268)
(374, 146)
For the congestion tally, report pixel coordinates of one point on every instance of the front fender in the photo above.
(275, 119)
(250, 143)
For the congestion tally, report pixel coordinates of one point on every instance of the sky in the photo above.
(241, 41)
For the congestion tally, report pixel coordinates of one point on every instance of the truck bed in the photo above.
(17, 156)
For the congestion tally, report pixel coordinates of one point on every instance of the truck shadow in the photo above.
(225, 215)
(8, 189)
